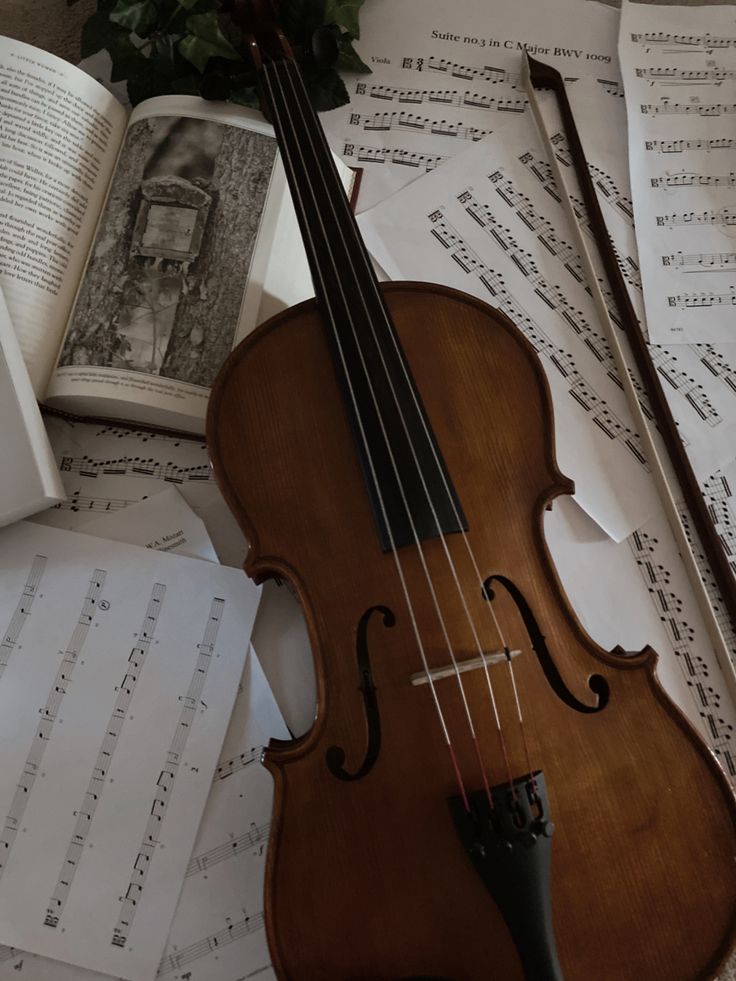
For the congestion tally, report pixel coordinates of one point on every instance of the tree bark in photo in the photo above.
(212, 288)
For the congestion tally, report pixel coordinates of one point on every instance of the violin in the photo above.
(485, 793)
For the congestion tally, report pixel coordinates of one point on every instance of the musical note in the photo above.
(200, 948)
(720, 216)
(580, 390)
(687, 74)
(136, 467)
(699, 261)
(680, 146)
(49, 714)
(688, 109)
(393, 121)
(253, 839)
(227, 767)
(689, 238)
(22, 611)
(681, 635)
(686, 41)
(382, 155)
(167, 775)
(86, 810)
(449, 97)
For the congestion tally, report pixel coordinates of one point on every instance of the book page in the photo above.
(176, 271)
(59, 138)
(117, 679)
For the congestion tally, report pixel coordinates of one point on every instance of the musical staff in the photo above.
(235, 931)
(384, 122)
(720, 216)
(689, 301)
(553, 296)
(444, 67)
(227, 767)
(382, 155)
(22, 611)
(253, 839)
(677, 378)
(687, 74)
(694, 180)
(681, 635)
(701, 261)
(716, 363)
(487, 73)
(662, 39)
(688, 109)
(681, 146)
(165, 782)
(449, 97)
(98, 505)
(579, 388)
(137, 466)
(49, 714)
(86, 811)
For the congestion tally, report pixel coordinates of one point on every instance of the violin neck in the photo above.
(408, 483)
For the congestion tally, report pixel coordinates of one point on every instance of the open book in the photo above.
(136, 252)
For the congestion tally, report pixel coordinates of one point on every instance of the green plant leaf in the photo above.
(187, 4)
(344, 13)
(137, 15)
(349, 60)
(327, 90)
(98, 33)
(246, 95)
(126, 58)
(205, 40)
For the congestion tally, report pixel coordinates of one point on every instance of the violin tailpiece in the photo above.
(510, 846)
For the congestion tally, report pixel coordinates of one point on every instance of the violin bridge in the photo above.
(472, 664)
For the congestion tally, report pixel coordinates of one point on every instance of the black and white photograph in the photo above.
(165, 282)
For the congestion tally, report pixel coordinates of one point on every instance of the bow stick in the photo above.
(540, 76)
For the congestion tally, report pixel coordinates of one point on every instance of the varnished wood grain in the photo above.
(367, 881)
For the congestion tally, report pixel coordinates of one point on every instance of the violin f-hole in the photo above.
(335, 755)
(597, 683)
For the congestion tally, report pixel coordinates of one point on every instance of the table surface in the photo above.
(56, 27)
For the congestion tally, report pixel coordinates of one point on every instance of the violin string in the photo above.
(426, 491)
(394, 552)
(441, 535)
(420, 551)
(451, 499)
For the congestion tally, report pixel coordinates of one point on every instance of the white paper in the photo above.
(164, 522)
(463, 226)
(30, 480)
(114, 699)
(223, 884)
(646, 574)
(440, 79)
(679, 70)
(704, 407)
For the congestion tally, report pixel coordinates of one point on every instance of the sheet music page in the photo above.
(217, 933)
(118, 674)
(660, 611)
(164, 522)
(698, 380)
(485, 225)
(440, 81)
(679, 70)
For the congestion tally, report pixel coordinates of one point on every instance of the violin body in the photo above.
(368, 878)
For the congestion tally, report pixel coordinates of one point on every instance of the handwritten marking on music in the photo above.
(112, 716)
(680, 89)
